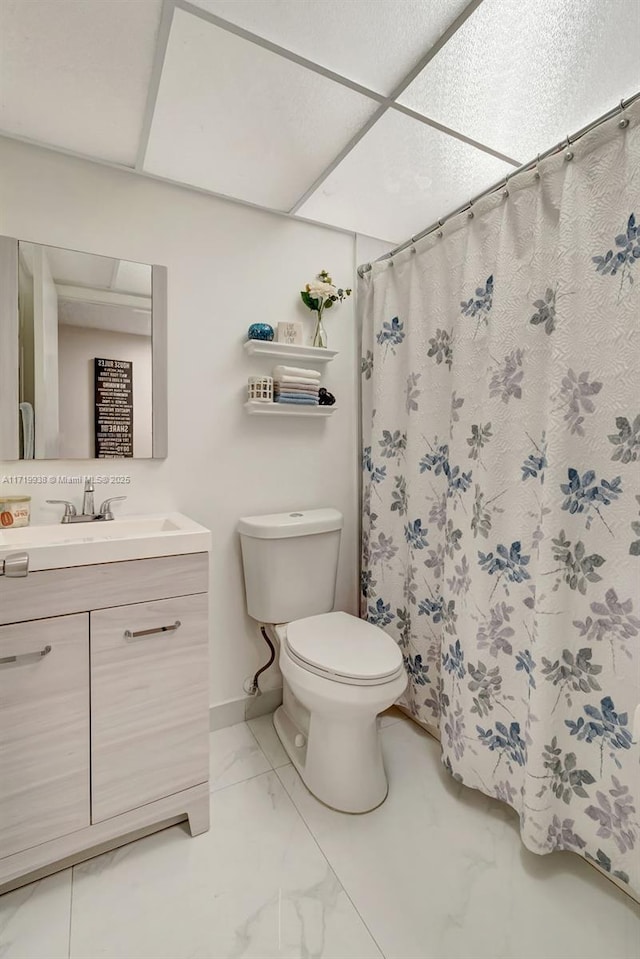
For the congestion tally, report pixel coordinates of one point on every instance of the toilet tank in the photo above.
(290, 563)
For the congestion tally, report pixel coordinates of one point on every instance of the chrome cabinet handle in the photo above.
(16, 659)
(150, 632)
(15, 565)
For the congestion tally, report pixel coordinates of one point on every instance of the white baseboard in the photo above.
(247, 707)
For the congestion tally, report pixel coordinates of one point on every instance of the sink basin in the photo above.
(127, 537)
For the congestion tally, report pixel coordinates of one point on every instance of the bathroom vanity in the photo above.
(103, 689)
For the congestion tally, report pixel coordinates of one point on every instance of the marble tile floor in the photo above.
(437, 872)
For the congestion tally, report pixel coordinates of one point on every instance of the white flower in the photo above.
(321, 291)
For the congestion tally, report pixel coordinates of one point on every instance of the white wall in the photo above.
(228, 265)
(77, 348)
(368, 248)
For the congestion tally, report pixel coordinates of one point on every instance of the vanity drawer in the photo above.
(44, 731)
(149, 702)
(56, 592)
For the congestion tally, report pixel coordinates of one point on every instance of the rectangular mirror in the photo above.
(82, 355)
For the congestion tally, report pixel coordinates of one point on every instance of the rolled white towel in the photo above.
(287, 371)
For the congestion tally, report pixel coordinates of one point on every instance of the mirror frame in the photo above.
(10, 355)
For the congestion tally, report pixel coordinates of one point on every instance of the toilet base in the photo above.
(329, 730)
(284, 728)
(339, 762)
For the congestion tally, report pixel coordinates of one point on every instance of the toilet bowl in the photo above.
(339, 673)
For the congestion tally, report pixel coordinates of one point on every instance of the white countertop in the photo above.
(105, 541)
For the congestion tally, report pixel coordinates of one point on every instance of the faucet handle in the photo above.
(69, 508)
(105, 509)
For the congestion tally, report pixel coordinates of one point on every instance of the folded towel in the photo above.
(295, 371)
(297, 380)
(298, 396)
(294, 393)
(297, 401)
(294, 388)
(286, 385)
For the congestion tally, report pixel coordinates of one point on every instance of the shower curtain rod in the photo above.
(504, 183)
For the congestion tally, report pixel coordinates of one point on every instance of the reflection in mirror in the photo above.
(85, 355)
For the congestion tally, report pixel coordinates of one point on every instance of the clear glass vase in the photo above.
(320, 335)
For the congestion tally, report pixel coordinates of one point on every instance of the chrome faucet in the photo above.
(88, 514)
(88, 507)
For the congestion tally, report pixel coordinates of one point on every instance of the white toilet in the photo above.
(339, 672)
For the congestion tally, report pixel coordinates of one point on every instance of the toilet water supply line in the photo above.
(251, 686)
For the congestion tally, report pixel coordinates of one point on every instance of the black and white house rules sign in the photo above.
(114, 408)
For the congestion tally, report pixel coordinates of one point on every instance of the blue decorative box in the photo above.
(260, 331)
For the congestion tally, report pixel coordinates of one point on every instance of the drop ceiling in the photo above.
(373, 116)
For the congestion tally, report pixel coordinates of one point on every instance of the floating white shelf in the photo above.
(289, 351)
(288, 409)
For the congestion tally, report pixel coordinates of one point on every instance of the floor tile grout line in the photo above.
(239, 782)
(246, 722)
(326, 857)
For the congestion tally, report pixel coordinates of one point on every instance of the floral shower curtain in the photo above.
(501, 532)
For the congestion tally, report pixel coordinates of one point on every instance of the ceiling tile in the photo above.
(520, 76)
(77, 269)
(401, 177)
(235, 119)
(133, 278)
(75, 74)
(373, 43)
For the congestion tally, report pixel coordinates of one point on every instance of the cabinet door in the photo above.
(149, 703)
(44, 730)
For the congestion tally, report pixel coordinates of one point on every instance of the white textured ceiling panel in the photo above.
(75, 73)
(235, 119)
(519, 76)
(373, 42)
(77, 269)
(402, 176)
(131, 277)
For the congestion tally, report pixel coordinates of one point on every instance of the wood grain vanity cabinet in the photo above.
(103, 712)
(149, 709)
(44, 730)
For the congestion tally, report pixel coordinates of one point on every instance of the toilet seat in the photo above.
(344, 649)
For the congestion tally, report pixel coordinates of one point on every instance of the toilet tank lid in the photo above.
(303, 522)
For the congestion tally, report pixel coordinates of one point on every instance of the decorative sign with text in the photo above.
(290, 333)
(114, 408)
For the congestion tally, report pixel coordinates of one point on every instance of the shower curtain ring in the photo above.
(568, 155)
(505, 189)
(440, 234)
(537, 171)
(470, 214)
(623, 121)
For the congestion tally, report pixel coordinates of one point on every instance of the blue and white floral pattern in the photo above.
(501, 497)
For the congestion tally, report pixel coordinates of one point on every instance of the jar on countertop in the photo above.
(14, 511)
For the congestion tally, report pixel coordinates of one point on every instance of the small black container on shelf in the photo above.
(325, 398)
